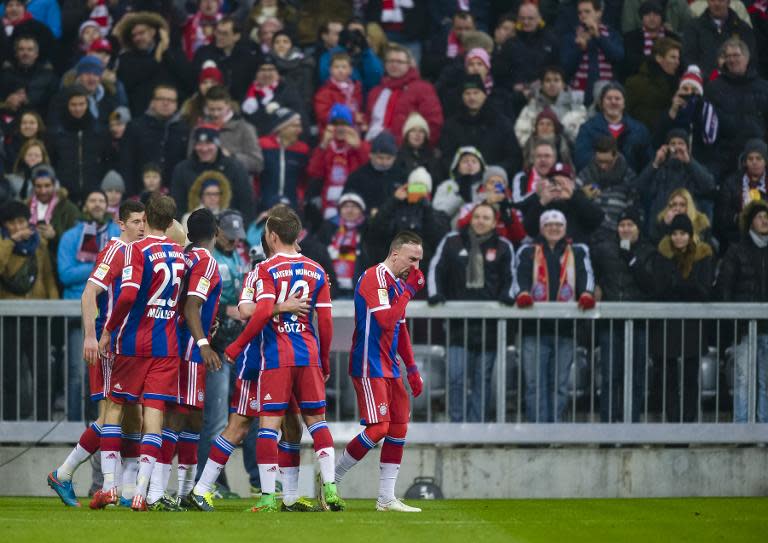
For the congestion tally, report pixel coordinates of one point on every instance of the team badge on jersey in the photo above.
(383, 296)
(382, 409)
(200, 395)
(490, 255)
(102, 271)
(254, 404)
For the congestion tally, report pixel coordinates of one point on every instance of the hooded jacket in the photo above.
(195, 190)
(458, 190)
(284, 172)
(569, 108)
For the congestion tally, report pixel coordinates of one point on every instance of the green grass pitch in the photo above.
(469, 521)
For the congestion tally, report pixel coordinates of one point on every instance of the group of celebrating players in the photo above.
(149, 311)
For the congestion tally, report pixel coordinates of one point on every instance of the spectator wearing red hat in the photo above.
(558, 191)
(159, 135)
(193, 108)
(236, 61)
(547, 127)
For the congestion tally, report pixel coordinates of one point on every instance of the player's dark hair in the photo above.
(265, 245)
(201, 226)
(160, 212)
(128, 207)
(284, 222)
(405, 237)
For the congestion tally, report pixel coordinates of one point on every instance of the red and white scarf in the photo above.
(347, 88)
(566, 289)
(256, 96)
(382, 112)
(9, 25)
(35, 208)
(100, 15)
(198, 32)
(581, 78)
(649, 39)
(343, 251)
(392, 12)
(93, 238)
(454, 48)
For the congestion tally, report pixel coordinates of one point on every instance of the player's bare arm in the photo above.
(89, 309)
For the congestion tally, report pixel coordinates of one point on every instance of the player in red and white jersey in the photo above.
(146, 347)
(295, 358)
(97, 299)
(381, 296)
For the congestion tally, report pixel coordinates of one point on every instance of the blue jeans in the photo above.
(612, 371)
(741, 386)
(542, 375)
(75, 370)
(215, 411)
(476, 363)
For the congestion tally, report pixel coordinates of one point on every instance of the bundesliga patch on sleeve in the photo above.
(383, 296)
(247, 294)
(259, 286)
(127, 272)
(101, 272)
(203, 285)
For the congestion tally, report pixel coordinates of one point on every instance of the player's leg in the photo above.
(289, 458)
(130, 450)
(158, 482)
(392, 449)
(159, 389)
(110, 443)
(373, 404)
(189, 438)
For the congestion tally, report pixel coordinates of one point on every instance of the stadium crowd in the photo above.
(617, 146)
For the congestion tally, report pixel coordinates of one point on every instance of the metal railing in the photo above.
(624, 373)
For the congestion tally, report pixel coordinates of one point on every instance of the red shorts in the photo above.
(245, 399)
(276, 386)
(191, 384)
(382, 399)
(135, 377)
(98, 378)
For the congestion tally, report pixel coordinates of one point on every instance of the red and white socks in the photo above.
(266, 453)
(130, 450)
(89, 443)
(288, 459)
(221, 449)
(186, 449)
(150, 450)
(111, 441)
(161, 472)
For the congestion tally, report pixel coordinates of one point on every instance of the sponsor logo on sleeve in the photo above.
(247, 294)
(203, 285)
(101, 272)
(127, 272)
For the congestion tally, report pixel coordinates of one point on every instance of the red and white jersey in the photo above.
(155, 266)
(107, 274)
(204, 282)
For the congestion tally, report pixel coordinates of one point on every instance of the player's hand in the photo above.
(104, 344)
(415, 380)
(295, 305)
(90, 350)
(415, 280)
(211, 359)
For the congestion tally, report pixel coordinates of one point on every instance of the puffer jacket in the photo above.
(73, 273)
(620, 278)
(523, 56)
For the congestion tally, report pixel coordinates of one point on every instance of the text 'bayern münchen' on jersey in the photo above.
(289, 340)
(107, 275)
(204, 282)
(153, 271)
(248, 364)
(375, 340)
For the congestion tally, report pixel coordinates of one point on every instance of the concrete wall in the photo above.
(493, 472)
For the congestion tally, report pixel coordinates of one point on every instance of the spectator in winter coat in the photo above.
(25, 265)
(592, 52)
(547, 127)
(739, 190)
(340, 152)
(149, 59)
(407, 209)
(237, 136)
(79, 146)
(680, 202)
(285, 160)
(193, 108)
(400, 93)
(740, 98)
(553, 94)
(415, 149)
(467, 171)
(558, 191)
(479, 124)
(533, 47)
(28, 70)
(207, 155)
(474, 263)
(367, 68)
(113, 187)
(704, 36)
(743, 277)
(632, 138)
(268, 91)
(340, 88)
(29, 126)
(231, 55)
(295, 69)
(608, 182)
(651, 90)
(45, 11)
(80, 245)
(199, 28)
(639, 42)
(159, 136)
(673, 168)
(32, 153)
(212, 191)
(683, 272)
(624, 273)
(675, 14)
(543, 159)
(375, 181)
(546, 356)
